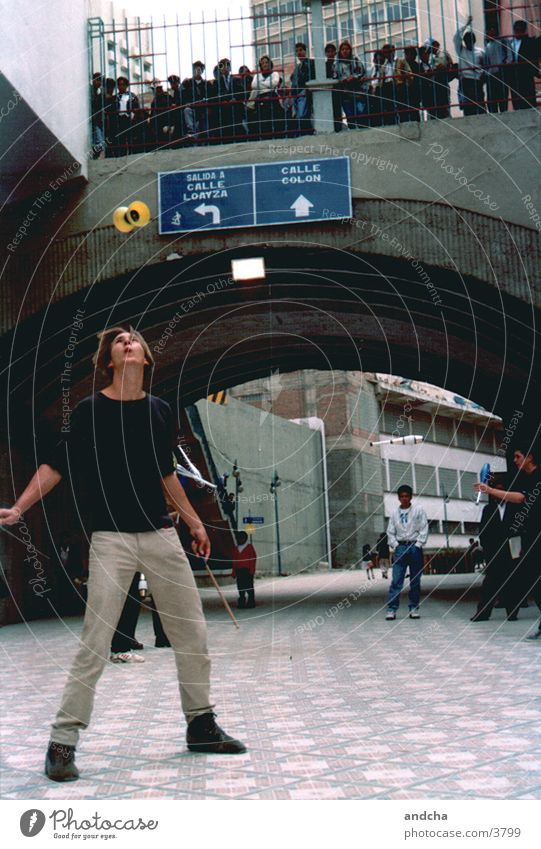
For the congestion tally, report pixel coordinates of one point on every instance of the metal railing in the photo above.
(228, 78)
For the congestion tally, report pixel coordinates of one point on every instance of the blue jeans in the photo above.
(404, 556)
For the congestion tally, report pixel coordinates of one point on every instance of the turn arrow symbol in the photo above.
(302, 207)
(203, 209)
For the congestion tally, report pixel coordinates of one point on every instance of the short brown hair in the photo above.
(103, 355)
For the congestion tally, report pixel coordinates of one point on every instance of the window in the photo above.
(443, 431)
(362, 20)
(271, 12)
(484, 440)
(395, 419)
(451, 528)
(448, 482)
(465, 435)
(346, 27)
(331, 33)
(408, 9)
(422, 424)
(399, 472)
(433, 526)
(394, 11)
(467, 480)
(425, 480)
(471, 528)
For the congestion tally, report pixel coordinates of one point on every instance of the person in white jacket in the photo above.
(265, 110)
(471, 70)
(407, 532)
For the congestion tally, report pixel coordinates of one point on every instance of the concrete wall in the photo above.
(43, 57)
(261, 443)
(494, 155)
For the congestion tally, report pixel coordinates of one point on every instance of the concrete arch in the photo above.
(319, 308)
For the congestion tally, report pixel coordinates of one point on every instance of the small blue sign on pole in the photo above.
(253, 520)
(254, 195)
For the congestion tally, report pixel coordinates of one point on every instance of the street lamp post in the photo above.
(238, 490)
(275, 483)
(445, 503)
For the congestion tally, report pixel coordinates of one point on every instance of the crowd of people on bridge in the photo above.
(267, 103)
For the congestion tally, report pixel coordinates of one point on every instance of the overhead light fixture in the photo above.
(244, 270)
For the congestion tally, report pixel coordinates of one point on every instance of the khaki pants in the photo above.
(114, 557)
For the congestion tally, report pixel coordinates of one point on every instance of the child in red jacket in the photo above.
(244, 560)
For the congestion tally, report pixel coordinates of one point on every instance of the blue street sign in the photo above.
(206, 199)
(253, 520)
(296, 192)
(254, 195)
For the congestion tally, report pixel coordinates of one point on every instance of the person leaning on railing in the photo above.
(471, 70)
(437, 67)
(265, 110)
(350, 75)
(227, 112)
(496, 55)
(196, 92)
(410, 110)
(524, 54)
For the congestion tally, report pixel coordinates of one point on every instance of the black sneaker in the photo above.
(60, 763)
(162, 643)
(204, 735)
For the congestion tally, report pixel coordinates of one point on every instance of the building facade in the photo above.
(356, 408)
(278, 24)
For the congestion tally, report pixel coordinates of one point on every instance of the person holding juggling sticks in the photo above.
(526, 495)
(120, 443)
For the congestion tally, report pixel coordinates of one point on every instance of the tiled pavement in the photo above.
(334, 702)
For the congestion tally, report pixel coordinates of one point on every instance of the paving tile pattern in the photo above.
(333, 701)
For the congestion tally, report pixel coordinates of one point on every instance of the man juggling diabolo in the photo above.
(120, 444)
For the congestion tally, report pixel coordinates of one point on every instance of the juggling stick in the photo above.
(410, 439)
(220, 593)
(484, 475)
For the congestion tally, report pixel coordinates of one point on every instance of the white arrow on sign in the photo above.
(203, 209)
(302, 207)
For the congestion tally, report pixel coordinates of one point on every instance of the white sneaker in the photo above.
(390, 615)
(414, 614)
(126, 657)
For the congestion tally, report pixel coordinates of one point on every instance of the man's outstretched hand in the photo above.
(201, 542)
(9, 515)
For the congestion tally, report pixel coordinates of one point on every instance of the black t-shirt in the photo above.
(528, 514)
(115, 455)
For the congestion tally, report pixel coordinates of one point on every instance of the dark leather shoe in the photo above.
(60, 763)
(136, 645)
(162, 644)
(204, 735)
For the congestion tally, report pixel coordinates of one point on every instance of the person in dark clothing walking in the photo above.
(494, 534)
(525, 497)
